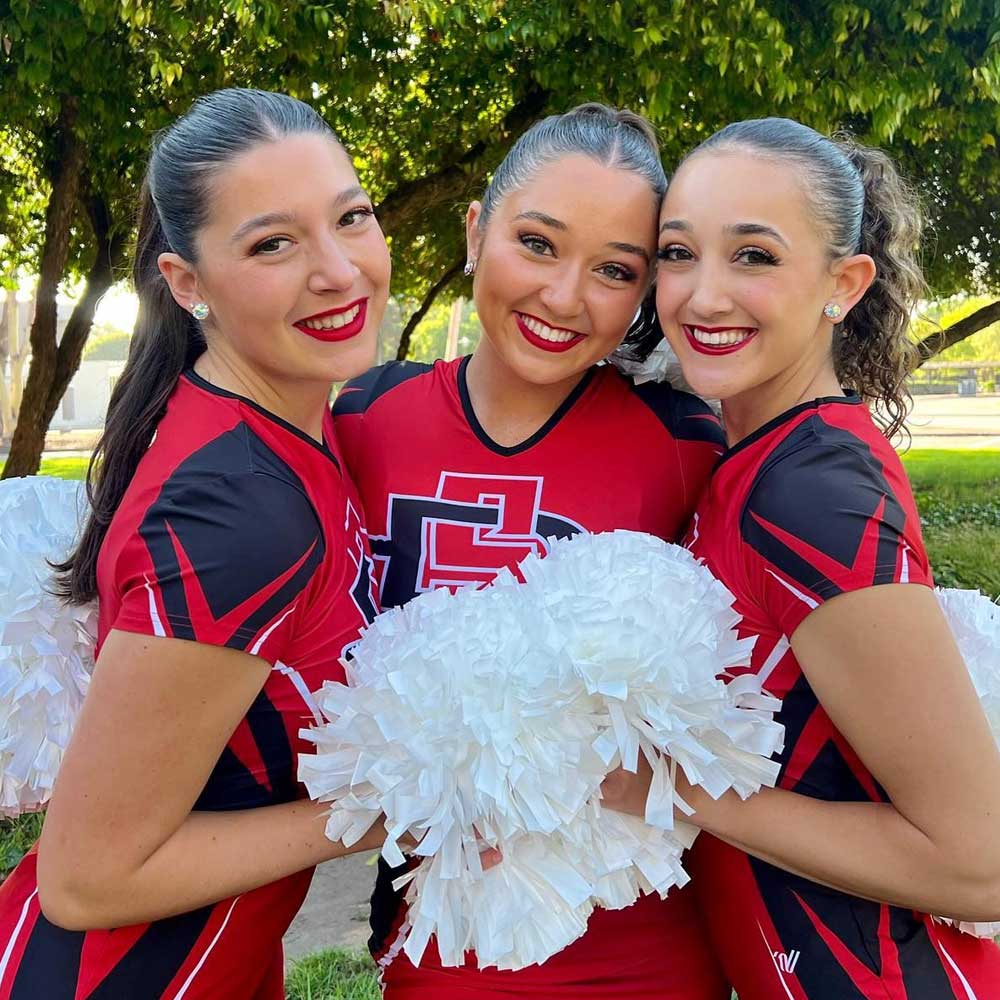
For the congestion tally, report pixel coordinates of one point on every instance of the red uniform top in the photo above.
(815, 504)
(447, 506)
(237, 530)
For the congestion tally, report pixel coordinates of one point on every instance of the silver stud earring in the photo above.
(200, 310)
(832, 311)
(470, 267)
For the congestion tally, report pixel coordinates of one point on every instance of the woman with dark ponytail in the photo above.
(226, 549)
(788, 274)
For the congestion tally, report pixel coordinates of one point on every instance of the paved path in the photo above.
(335, 913)
(955, 422)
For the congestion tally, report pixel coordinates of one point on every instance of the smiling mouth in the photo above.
(545, 337)
(335, 324)
(719, 339)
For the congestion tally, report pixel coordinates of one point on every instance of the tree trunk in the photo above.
(111, 248)
(6, 413)
(421, 311)
(29, 435)
(941, 340)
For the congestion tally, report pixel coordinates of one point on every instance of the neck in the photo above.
(301, 403)
(509, 408)
(750, 410)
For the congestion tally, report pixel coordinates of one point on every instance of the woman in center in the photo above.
(466, 467)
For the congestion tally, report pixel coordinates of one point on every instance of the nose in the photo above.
(333, 270)
(710, 296)
(562, 293)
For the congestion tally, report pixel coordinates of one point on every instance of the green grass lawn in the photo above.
(332, 974)
(958, 495)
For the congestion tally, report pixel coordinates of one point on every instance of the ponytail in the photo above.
(166, 340)
(874, 354)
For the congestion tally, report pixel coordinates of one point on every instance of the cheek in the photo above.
(612, 310)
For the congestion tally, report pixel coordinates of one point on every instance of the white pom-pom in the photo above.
(493, 716)
(975, 623)
(46, 646)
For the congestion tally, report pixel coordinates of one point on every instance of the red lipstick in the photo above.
(719, 349)
(552, 346)
(335, 334)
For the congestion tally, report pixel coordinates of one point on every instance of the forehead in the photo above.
(733, 186)
(288, 174)
(578, 190)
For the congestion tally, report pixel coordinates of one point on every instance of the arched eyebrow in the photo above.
(738, 229)
(287, 218)
(756, 229)
(541, 217)
(631, 248)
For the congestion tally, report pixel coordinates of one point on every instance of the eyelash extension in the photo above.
(769, 258)
(625, 273)
(525, 238)
(270, 239)
(662, 252)
(365, 210)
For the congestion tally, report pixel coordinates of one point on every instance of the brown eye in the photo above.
(674, 252)
(272, 245)
(357, 216)
(756, 256)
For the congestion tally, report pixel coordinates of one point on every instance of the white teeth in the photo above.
(724, 339)
(540, 329)
(334, 322)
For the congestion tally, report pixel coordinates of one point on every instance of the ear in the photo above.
(853, 277)
(181, 278)
(473, 234)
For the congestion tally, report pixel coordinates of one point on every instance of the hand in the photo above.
(626, 792)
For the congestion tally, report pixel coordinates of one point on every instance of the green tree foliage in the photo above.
(431, 93)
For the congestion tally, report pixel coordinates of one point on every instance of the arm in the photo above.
(120, 844)
(885, 668)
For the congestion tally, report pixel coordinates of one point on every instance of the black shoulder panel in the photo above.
(685, 416)
(358, 394)
(238, 516)
(820, 492)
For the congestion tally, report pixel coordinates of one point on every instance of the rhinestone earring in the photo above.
(200, 310)
(470, 267)
(832, 311)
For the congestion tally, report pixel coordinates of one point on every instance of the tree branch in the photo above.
(421, 311)
(941, 340)
(411, 198)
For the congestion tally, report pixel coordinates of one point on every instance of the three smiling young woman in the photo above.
(229, 553)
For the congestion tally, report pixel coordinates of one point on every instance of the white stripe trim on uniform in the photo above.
(154, 614)
(798, 593)
(774, 962)
(775, 657)
(969, 992)
(300, 685)
(255, 648)
(201, 961)
(9, 950)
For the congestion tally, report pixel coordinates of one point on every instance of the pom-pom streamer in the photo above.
(492, 717)
(46, 647)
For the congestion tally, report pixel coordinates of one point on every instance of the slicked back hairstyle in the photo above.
(612, 137)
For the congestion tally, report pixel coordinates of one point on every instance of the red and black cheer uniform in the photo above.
(814, 504)
(448, 507)
(237, 530)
